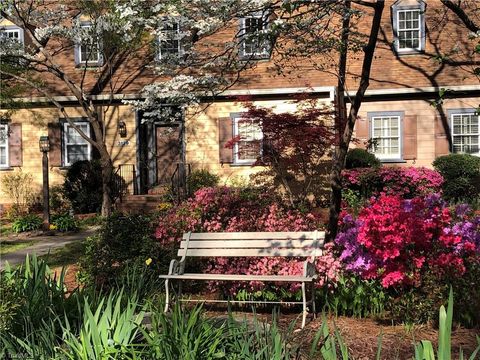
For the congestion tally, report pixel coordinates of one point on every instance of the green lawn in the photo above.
(67, 255)
(10, 246)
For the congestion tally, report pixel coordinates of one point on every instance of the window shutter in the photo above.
(362, 132)
(225, 134)
(410, 137)
(442, 146)
(55, 137)
(15, 145)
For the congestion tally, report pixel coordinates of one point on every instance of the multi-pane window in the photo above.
(409, 29)
(3, 145)
(465, 133)
(253, 43)
(12, 35)
(170, 41)
(385, 136)
(76, 148)
(249, 145)
(89, 49)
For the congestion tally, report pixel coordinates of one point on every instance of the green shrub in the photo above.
(28, 222)
(83, 186)
(58, 202)
(121, 243)
(64, 222)
(462, 176)
(201, 178)
(360, 158)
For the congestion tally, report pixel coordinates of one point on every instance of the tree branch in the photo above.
(461, 15)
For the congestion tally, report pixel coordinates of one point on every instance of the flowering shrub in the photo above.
(407, 182)
(395, 239)
(224, 209)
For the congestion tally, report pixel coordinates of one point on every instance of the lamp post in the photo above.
(45, 148)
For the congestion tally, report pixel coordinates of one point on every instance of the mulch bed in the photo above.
(360, 335)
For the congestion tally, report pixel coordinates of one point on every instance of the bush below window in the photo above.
(201, 178)
(360, 158)
(462, 176)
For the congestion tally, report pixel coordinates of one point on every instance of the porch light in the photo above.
(122, 129)
(44, 144)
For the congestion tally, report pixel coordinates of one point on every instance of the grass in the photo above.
(67, 255)
(11, 246)
(6, 229)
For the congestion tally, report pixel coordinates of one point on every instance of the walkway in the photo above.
(43, 245)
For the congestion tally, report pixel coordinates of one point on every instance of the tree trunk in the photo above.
(345, 129)
(107, 174)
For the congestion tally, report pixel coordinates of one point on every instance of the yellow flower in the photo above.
(148, 261)
(52, 227)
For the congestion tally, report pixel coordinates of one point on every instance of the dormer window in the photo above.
(87, 51)
(12, 34)
(253, 41)
(409, 26)
(170, 41)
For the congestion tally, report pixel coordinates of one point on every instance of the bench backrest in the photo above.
(247, 244)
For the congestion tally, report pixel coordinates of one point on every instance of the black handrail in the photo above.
(179, 184)
(125, 181)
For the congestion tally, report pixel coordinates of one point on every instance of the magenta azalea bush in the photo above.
(407, 182)
(395, 240)
(225, 209)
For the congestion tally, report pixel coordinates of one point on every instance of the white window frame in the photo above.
(176, 36)
(66, 125)
(402, 6)
(395, 156)
(78, 49)
(258, 54)
(4, 127)
(236, 159)
(14, 29)
(453, 134)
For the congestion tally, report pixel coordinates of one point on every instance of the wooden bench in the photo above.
(306, 244)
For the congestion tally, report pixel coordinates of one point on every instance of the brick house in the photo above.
(410, 67)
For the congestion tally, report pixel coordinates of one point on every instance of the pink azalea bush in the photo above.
(395, 239)
(406, 182)
(224, 209)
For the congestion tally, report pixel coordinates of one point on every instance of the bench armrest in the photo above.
(309, 269)
(176, 267)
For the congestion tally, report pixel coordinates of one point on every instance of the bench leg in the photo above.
(314, 306)
(304, 300)
(167, 296)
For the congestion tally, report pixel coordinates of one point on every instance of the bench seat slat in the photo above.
(251, 244)
(255, 235)
(233, 277)
(267, 252)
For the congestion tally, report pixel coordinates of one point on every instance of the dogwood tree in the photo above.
(117, 42)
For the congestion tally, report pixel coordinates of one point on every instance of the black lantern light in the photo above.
(122, 129)
(44, 144)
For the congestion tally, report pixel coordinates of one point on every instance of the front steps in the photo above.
(139, 204)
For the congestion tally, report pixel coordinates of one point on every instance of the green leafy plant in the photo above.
(361, 158)
(198, 179)
(108, 332)
(462, 176)
(28, 222)
(58, 202)
(424, 349)
(64, 222)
